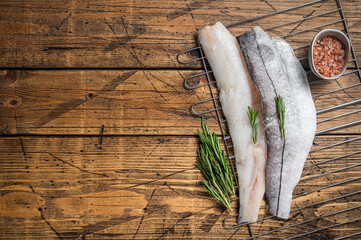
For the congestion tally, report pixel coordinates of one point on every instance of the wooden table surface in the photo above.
(97, 138)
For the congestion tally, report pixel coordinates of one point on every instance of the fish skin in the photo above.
(276, 71)
(303, 138)
(236, 93)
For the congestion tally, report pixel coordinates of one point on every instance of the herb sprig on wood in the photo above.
(281, 114)
(212, 163)
(252, 115)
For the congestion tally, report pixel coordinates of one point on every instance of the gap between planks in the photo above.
(185, 68)
(137, 135)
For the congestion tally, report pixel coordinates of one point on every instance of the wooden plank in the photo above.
(138, 34)
(130, 102)
(145, 188)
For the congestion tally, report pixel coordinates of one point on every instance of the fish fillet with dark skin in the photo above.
(276, 71)
(236, 93)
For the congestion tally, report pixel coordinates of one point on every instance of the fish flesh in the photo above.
(276, 71)
(236, 93)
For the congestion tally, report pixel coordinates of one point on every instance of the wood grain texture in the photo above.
(114, 150)
(143, 102)
(145, 188)
(141, 34)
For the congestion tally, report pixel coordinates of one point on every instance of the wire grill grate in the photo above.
(227, 139)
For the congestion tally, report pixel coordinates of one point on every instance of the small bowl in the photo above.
(332, 33)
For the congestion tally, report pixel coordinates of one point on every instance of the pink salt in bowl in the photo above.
(328, 54)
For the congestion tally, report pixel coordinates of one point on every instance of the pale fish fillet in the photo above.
(276, 71)
(236, 93)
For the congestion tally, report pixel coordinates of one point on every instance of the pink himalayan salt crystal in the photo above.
(328, 56)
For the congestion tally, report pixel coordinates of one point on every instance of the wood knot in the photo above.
(14, 102)
(89, 96)
(12, 75)
(18, 204)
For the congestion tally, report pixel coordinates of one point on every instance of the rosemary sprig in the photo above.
(211, 161)
(281, 114)
(252, 115)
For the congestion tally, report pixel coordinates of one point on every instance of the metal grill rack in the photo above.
(227, 139)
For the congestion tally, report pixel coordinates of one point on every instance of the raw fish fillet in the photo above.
(236, 93)
(276, 71)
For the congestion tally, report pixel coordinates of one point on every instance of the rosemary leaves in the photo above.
(281, 114)
(211, 161)
(252, 115)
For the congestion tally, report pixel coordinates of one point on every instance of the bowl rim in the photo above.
(347, 49)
